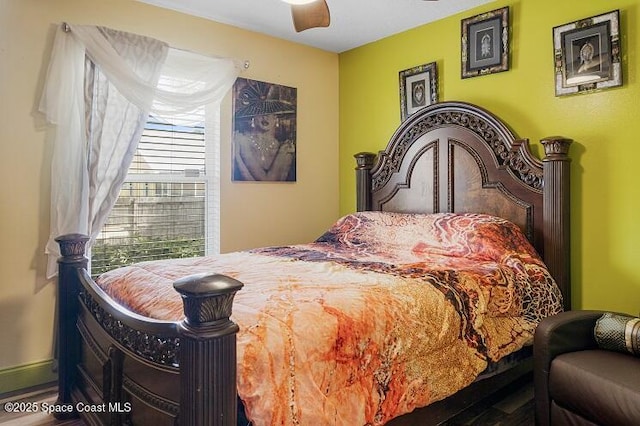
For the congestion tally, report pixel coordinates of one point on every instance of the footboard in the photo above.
(117, 367)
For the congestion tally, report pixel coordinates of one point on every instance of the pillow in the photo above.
(470, 235)
(617, 332)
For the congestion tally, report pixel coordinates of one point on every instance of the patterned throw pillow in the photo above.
(618, 333)
(473, 236)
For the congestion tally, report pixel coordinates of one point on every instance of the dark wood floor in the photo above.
(514, 408)
(41, 395)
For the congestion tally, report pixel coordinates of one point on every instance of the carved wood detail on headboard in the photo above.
(496, 135)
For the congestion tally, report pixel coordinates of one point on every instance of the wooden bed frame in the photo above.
(116, 367)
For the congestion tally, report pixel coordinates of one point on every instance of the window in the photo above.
(163, 205)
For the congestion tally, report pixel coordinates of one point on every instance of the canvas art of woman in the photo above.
(264, 132)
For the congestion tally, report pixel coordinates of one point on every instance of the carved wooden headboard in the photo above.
(458, 157)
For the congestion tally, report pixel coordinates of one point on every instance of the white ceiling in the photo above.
(353, 22)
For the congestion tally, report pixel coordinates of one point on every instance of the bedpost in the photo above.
(363, 180)
(556, 201)
(208, 390)
(72, 250)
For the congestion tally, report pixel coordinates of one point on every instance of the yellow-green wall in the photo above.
(253, 214)
(605, 125)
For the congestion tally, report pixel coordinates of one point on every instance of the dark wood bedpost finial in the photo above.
(365, 162)
(208, 395)
(72, 250)
(556, 195)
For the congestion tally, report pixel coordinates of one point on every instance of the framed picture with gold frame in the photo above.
(587, 54)
(418, 88)
(485, 43)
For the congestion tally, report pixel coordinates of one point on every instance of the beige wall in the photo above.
(253, 214)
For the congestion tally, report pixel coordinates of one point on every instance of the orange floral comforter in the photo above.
(384, 313)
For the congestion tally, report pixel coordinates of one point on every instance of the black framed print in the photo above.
(418, 88)
(587, 54)
(485, 43)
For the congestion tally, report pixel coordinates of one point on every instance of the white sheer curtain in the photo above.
(101, 86)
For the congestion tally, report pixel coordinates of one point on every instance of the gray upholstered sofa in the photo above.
(577, 382)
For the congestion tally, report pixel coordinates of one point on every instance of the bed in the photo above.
(451, 165)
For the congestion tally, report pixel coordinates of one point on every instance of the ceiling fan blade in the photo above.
(310, 15)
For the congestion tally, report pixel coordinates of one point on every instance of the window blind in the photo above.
(160, 212)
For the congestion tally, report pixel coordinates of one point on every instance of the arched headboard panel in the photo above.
(458, 157)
